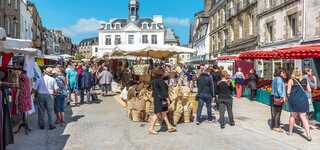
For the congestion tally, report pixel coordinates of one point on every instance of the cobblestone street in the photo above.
(101, 126)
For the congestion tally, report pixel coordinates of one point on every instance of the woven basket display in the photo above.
(176, 117)
(136, 115)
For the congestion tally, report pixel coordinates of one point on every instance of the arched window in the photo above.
(222, 15)
(145, 26)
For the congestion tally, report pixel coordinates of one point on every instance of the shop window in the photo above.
(154, 39)
(117, 40)
(108, 40)
(293, 25)
(270, 32)
(145, 39)
(130, 39)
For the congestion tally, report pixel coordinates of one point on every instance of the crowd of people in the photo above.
(217, 87)
(59, 87)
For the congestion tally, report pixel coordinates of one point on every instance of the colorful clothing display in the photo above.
(24, 103)
(6, 131)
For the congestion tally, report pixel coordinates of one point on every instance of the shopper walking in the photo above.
(312, 81)
(72, 78)
(252, 83)
(105, 79)
(278, 99)
(298, 101)
(224, 92)
(161, 101)
(61, 95)
(86, 82)
(44, 97)
(205, 95)
(239, 78)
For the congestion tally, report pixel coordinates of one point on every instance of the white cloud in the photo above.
(83, 25)
(177, 21)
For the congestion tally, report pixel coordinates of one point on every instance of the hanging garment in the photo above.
(24, 98)
(14, 101)
(7, 126)
(6, 57)
(29, 63)
(2, 146)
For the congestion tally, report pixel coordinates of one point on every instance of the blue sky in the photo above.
(79, 19)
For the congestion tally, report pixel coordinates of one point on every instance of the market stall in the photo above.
(139, 97)
(16, 77)
(283, 57)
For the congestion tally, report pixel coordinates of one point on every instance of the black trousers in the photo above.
(223, 107)
(253, 93)
(275, 115)
(82, 91)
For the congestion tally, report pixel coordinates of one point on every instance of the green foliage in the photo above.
(79, 56)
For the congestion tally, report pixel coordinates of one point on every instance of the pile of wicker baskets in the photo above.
(140, 104)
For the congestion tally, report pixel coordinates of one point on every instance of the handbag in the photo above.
(278, 101)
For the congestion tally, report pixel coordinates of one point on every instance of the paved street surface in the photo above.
(104, 126)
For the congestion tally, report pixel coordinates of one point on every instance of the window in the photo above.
(117, 40)
(117, 26)
(130, 39)
(154, 39)
(250, 24)
(108, 26)
(108, 40)
(240, 29)
(154, 26)
(270, 4)
(145, 39)
(231, 33)
(96, 49)
(293, 24)
(145, 26)
(270, 31)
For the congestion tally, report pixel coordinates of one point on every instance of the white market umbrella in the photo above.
(162, 52)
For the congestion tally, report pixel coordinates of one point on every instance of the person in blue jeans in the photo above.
(205, 94)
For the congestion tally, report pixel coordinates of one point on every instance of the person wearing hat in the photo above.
(61, 94)
(45, 89)
(205, 94)
(161, 101)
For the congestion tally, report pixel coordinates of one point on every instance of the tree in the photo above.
(79, 56)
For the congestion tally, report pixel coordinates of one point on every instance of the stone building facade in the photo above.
(241, 18)
(88, 46)
(37, 27)
(15, 18)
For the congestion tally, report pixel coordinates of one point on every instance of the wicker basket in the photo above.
(187, 116)
(176, 117)
(136, 115)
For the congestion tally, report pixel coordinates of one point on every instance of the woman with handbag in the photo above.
(161, 101)
(239, 77)
(278, 99)
(298, 102)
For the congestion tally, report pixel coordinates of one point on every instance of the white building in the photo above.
(199, 37)
(133, 32)
(26, 21)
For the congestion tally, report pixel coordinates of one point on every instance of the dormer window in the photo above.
(145, 26)
(118, 26)
(108, 26)
(154, 26)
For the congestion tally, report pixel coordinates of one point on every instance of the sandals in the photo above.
(172, 129)
(152, 132)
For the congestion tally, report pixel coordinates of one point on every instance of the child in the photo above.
(224, 91)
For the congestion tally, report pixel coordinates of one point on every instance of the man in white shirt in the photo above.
(105, 80)
(45, 89)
